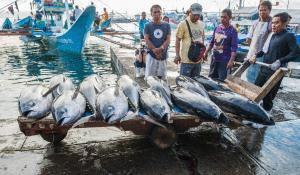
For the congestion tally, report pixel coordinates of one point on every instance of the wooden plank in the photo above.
(272, 81)
(241, 69)
(242, 87)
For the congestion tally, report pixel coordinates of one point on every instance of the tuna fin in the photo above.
(117, 93)
(150, 120)
(50, 90)
(223, 119)
(64, 79)
(96, 90)
(75, 93)
(82, 120)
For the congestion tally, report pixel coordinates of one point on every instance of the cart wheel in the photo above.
(163, 137)
(54, 137)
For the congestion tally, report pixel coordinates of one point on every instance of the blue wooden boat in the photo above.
(53, 33)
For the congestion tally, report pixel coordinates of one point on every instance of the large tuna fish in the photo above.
(131, 89)
(90, 87)
(161, 87)
(195, 104)
(234, 103)
(65, 84)
(68, 107)
(190, 84)
(210, 84)
(35, 101)
(155, 105)
(112, 105)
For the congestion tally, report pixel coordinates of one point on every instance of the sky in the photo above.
(136, 6)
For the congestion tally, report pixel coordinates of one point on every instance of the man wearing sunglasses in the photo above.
(157, 36)
(188, 67)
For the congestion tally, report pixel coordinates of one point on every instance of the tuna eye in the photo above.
(31, 103)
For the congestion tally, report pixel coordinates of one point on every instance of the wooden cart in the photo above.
(163, 137)
(249, 90)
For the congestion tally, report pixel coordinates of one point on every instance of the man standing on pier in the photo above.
(279, 48)
(143, 21)
(157, 36)
(190, 68)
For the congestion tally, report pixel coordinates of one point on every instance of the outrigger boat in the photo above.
(63, 37)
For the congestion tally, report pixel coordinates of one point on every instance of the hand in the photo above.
(230, 64)
(205, 56)
(275, 65)
(177, 60)
(252, 60)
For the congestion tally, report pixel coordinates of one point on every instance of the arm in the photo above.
(249, 36)
(234, 46)
(294, 50)
(211, 44)
(177, 59)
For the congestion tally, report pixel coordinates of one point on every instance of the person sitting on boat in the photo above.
(38, 15)
(157, 37)
(143, 21)
(257, 36)
(104, 15)
(140, 60)
(224, 45)
(279, 49)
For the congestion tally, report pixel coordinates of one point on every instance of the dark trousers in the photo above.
(218, 70)
(190, 70)
(142, 35)
(261, 79)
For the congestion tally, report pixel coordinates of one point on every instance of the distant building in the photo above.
(249, 13)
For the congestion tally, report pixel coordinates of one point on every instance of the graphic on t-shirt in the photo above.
(158, 33)
(197, 35)
(219, 40)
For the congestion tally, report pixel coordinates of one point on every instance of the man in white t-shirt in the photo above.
(258, 35)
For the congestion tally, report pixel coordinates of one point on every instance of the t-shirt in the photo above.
(77, 13)
(197, 30)
(258, 34)
(224, 41)
(158, 35)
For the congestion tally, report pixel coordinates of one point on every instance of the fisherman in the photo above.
(157, 37)
(257, 36)
(143, 21)
(224, 46)
(279, 48)
(140, 60)
(189, 67)
(104, 15)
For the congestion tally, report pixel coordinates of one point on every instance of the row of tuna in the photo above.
(200, 96)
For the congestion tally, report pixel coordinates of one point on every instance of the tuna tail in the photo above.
(270, 122)
(223, 119)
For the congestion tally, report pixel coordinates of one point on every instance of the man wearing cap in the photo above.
(188, 67)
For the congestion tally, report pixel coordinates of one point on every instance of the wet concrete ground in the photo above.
(204, 150)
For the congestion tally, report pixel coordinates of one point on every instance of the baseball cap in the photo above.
(196, 9)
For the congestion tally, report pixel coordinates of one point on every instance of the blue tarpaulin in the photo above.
(7, 24)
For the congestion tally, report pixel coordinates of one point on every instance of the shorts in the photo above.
(155, 67)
